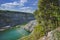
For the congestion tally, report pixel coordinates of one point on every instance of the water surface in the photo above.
(13, 34)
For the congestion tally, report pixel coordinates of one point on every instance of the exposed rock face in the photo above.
(30, 26)
(12, 18)
(53, 35)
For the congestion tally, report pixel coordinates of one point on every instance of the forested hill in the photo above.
(14, 17)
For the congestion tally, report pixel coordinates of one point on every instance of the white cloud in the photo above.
(12, 5)
(9, 5)
(27, 9)
(22, 2)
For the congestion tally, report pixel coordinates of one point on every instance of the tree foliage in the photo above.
(47, 14)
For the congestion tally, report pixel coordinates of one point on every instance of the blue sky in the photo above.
(19, 5)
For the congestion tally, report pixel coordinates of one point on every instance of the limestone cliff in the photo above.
(12, 18)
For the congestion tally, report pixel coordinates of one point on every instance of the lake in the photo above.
(13, 34)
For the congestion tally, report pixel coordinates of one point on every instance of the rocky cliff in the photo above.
(30, 26)
(52, 35)
(13, 18)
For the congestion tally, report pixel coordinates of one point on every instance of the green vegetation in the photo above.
(36, 34)
(47, 14)
(48, 18)
(56, 35)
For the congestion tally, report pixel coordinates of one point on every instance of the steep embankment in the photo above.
(52, 35)
(35, 35)
(12, 18)
(30, 26)
(38, 33)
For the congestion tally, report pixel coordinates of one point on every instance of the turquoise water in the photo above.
(13, 34)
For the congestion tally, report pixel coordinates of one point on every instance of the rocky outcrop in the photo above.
(52, 35)
(30, 26)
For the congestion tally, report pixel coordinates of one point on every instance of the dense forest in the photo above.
(48, 18)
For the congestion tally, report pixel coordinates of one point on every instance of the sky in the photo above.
(19, 5)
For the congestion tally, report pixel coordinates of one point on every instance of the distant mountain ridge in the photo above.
(11, 11)
(14, 17)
